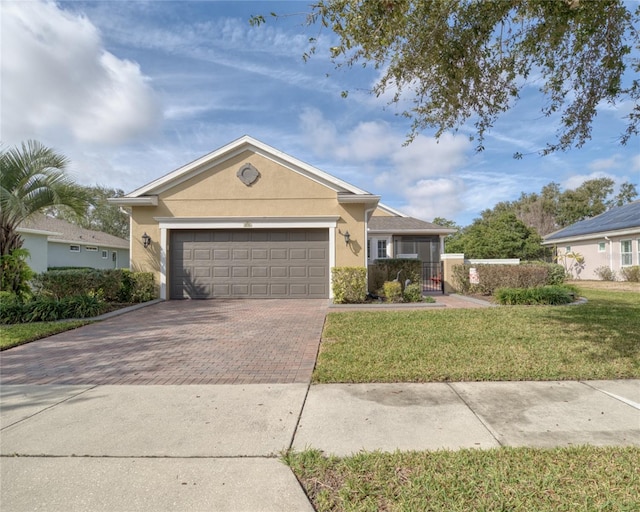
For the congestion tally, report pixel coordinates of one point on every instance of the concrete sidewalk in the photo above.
(216, 447)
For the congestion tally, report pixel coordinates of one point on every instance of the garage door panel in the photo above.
(278, 254)
(240, 254)
(202, 236)
(279, 272)
(249, 263)
(317, 254)
(297, 271)
(221, 272)
(259, 271)
(259, 254)
(259, 289)
(317, 272)
(221, 254)
(202, 272)
(279, 290)
(240, 272)
(202, 254)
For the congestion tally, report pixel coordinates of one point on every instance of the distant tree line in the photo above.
(514, 229)
(97, 214)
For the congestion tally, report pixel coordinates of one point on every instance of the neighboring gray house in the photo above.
(611, 239)
(57, 243)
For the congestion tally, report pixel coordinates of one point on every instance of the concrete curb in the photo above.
(115, 313)
(377, 306)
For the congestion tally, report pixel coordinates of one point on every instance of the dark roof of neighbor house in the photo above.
(64, 231)
(621, 217)
(399, 224)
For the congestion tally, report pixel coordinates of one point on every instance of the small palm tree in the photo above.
(32, 178)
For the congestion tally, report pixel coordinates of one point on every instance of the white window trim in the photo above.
(623, 254)
(90, 248)
(105, 255)
(373, 240)
(602, 246)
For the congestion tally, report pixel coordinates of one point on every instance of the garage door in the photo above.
(249, 263)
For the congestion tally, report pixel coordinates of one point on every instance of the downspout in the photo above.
(610, 252)
(367, 215)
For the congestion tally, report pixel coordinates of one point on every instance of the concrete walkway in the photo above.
(73, 440)
(193, 448)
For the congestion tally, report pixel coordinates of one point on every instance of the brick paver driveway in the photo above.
(179, 342)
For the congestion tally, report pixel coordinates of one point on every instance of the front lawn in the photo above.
(576, 479)
(18, 334)
(597, 340)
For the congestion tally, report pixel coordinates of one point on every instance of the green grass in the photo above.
(597, 340)
(576, 479)
(18, 334)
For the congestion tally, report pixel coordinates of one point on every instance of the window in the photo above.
(626, 254)
(90, 248)
(602, 246)
(74, 248)
(567, 249)
(382, 249)
(105, 255)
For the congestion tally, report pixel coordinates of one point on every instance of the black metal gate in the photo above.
(432, 277)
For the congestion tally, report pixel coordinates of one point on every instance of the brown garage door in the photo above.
(249, 263)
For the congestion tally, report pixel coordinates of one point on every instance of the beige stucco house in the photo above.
(611, 239)
(248, 220)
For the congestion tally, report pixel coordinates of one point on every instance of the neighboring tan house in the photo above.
(611, 239)
(58, 243)
(248, 220)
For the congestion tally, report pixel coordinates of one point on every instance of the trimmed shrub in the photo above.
(349, 284)
(392, 291)
(631, 274)
(387, 270)
(542, 295)
(143, 287)
(112, 285)
(605, 273)
(412, 293)
(15, 273)
(48, 309)
(492, 277)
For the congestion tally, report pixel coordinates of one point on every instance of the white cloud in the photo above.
(432, 198)
(418, 174)
(635, 164)
(605, 164)
(576, 180)
(59, 82)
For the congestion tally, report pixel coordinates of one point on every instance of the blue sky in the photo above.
(130, 91)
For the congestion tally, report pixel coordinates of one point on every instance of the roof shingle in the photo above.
(73, 233)
(621, 217)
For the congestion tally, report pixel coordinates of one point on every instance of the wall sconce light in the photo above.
(146, 240)
(346, 235)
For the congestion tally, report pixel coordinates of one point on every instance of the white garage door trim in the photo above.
(167, 223)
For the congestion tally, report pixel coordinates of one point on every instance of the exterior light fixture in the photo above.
(146, 240)
(346, 235)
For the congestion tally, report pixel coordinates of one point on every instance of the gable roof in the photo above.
(59, 230)
(620, 218)
(381, 224)
(245, 143)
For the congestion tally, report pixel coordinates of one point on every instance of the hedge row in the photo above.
(117, 285)
(492, 277)
(543, 295)
(390, 269)
(349, 284)
(48, 309)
